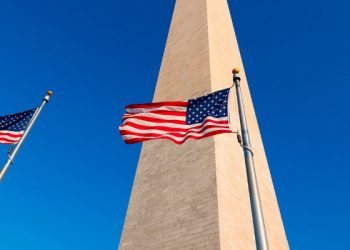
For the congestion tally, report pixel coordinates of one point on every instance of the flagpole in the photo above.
(14, 152)
(255, 203)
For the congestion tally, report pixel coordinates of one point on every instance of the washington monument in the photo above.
(195, 195)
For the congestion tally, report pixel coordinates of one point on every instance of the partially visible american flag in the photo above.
(12, 126)
(177, 121)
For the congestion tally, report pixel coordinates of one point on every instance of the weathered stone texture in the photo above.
(195, 196)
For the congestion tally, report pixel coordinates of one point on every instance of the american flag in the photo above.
(12, 126)
(177, 121)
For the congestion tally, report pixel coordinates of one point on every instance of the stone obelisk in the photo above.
(195, 195)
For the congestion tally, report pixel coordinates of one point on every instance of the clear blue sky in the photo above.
(70, 185)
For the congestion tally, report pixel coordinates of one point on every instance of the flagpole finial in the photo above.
(48, 95)
(235, 71)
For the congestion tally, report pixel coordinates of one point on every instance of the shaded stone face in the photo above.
(195, 195)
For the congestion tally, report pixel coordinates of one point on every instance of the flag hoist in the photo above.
(15, 128)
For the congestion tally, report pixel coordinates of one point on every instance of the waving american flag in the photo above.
(177, 121)
(12, 126)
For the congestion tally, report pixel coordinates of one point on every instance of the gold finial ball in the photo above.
(235, 71)
(49, 93)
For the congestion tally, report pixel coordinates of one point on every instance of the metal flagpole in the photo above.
(14, 152)
(258, 219)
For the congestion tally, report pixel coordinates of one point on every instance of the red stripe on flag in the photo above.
(150, 119)
(165, 112)
(8, 141)
(170, 129)
(156, 105)
(176, 134)
(135, 140)
(10, 135)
